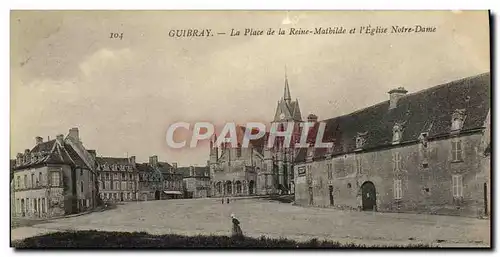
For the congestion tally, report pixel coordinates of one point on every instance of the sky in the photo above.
(123, 94)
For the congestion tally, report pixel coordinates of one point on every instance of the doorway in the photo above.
(330, 189)
(485, 192)
(157, 195)
(311, 195)
(369, 196)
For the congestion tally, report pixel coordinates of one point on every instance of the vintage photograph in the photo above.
(250, 129)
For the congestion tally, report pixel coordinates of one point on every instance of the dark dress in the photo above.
(236, 228)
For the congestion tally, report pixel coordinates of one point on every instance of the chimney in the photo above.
(191, 171)
(132, 160)
(19, 159)
(312, 118)
(60, 139)
(153, 160)
(395, 95)
(73, 133)
(174, 164)
(27, 156)
(38, 140)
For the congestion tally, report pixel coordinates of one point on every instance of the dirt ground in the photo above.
(262, 217)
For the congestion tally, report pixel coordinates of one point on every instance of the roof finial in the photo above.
(287, 96)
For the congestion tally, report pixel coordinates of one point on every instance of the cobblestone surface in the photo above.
(262, 217)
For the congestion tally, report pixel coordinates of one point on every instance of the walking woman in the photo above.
(236, 227)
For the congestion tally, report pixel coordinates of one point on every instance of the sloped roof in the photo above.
(51, 152)
(198, 171)
(144, 167)
(291, 110)
(428, 111)
(112, 160)
(258, 144)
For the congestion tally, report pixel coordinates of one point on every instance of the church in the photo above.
(257, 169)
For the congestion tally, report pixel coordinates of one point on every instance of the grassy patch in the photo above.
(99, 239)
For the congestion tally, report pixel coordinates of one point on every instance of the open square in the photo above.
(259, 216)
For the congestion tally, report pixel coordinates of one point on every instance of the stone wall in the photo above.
(425, 188)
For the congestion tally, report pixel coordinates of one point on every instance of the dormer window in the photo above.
(457, 119)
(329, 150)
(360, 140)
(310, 153)
(423, 139)
(397, 133)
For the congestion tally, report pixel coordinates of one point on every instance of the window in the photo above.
(457, 119)
(359, 165)
(456, 150)
(457, 186)
(238, 150)
(43, 205)
(456, 124)
(396, 161)
(329, 170)
(397, 132)
(56, 178)
(81, 186)
(81, 172)
(103, 185)
(32, 180)
(130, 176)
(25, 182)
(359, 142)
(398, 190)
(18, 182)
(40, 182)
(123, 176)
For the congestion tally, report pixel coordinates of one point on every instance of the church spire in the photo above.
(287, 96)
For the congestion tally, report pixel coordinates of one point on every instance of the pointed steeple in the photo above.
(287, 97)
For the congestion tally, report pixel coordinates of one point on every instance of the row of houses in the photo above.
(60, 177)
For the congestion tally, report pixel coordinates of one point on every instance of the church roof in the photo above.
(286, 106)
(427, 111)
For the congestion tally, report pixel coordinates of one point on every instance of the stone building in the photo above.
(196, 181)
(258, 169)
(159, 180)
(235, 171)
(118, 179)
(420, 152)
(54, 178)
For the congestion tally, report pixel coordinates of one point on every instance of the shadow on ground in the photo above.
(98, 239)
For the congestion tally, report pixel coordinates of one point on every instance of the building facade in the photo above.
(159, 180)
(54, 178)
(196, 181)
(118, 179)
(421, 153)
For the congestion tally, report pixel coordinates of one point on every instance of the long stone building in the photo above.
(54, 178)
(423, 152)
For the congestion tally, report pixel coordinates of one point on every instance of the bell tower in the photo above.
(287, 111)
